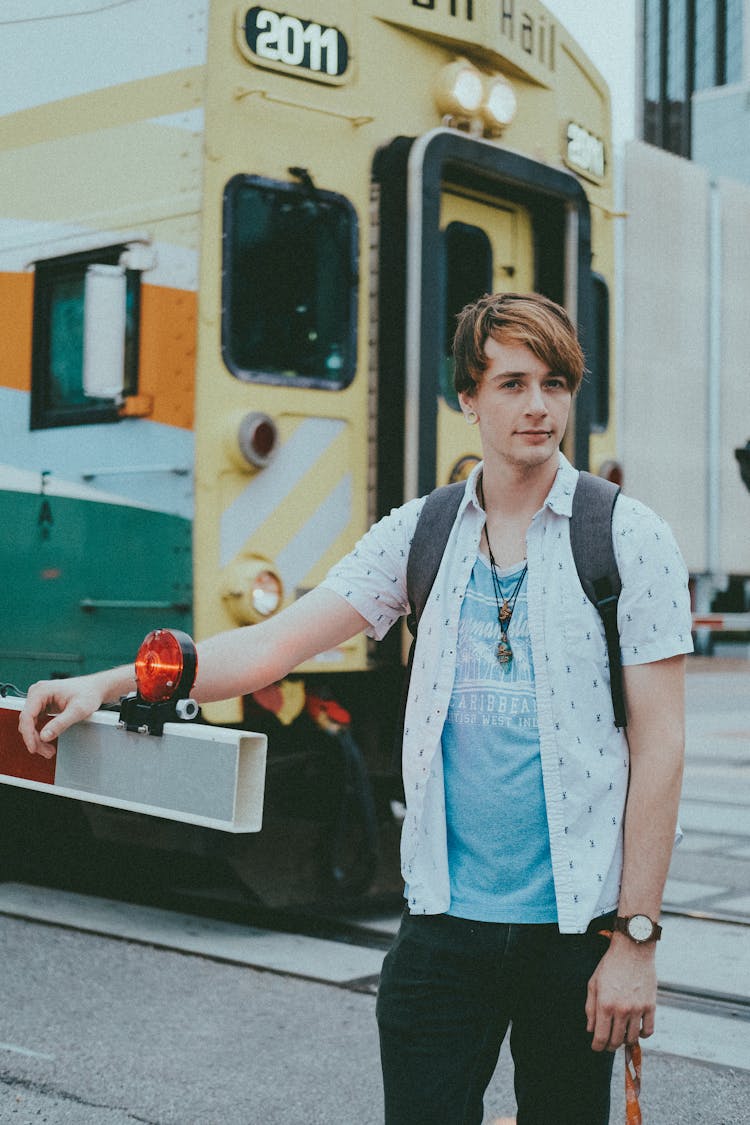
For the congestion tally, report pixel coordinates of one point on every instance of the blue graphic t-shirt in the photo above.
(498, 838)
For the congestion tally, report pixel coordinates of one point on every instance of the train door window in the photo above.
(58, 397)
(598, 357)
(467, 264)
(289, 284)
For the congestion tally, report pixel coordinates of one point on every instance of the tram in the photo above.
(234, 243)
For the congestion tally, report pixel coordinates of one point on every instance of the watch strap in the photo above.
(621, 926)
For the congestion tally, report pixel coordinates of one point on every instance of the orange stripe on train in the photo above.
(167, 353)
(16, 315)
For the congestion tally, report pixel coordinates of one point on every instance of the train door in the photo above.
(460, 216)
(487, 247)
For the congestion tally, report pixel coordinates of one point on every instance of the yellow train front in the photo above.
(279, 211)
(370, 169)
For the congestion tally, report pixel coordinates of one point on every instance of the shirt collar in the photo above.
(559, 498)
(472, 481)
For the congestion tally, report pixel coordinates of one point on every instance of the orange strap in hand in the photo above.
(633, 1068)
(632, 1084)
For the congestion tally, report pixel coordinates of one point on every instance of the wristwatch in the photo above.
(639, 928)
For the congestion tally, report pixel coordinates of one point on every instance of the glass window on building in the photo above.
(705, 69)
(733, 41)
(688, 45)
(653, 71)
(677, 125)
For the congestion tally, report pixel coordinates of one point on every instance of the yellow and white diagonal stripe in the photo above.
(295, 510)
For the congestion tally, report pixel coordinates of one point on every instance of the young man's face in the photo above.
(521, 405)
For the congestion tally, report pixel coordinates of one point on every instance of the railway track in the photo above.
(375, 934)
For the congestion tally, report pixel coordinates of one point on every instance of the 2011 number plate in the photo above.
(302, 44)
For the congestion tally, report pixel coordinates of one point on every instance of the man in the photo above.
(532, 822)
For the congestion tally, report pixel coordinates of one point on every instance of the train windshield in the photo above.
(290, 284)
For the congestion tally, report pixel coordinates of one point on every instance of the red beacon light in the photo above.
(165, 669)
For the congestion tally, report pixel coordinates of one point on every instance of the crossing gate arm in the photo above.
(722, 622)
(192, 773)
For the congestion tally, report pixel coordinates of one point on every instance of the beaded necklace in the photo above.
(504, 652)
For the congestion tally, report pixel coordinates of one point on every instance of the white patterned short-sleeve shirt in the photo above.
(585, 760)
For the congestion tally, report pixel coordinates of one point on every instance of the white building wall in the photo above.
(734, 418)
(685, 376)
(663, 385)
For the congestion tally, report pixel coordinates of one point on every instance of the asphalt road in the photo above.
(96, 1031)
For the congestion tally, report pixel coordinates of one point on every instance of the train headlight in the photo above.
(252, 590)
(459, 89)
(165, 670)
(267, 593)
(499, 105)
(252, 440)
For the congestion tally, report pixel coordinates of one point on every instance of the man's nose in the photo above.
(535, 403)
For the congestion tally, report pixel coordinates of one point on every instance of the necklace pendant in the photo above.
(505, 612)
(504, 651)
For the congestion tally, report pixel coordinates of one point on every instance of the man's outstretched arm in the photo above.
(230, 664)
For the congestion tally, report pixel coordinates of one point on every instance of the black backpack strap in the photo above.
(594, 555)
(427, 548)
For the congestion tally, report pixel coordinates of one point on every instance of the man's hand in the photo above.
(69, 700)
(621, 1000)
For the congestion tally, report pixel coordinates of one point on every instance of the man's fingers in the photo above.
(612, 1030)
(36, 735)
(602, 1031)
(591, 1006)
(74, 711)
(37, 729)
(45, 749)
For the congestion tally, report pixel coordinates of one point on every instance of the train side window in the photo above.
(289, 284)
(58, 397)
(467, 265)
(598, 357)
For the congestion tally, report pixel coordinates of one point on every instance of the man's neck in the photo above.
(513, 491)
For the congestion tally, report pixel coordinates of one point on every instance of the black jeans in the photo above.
(449, 990)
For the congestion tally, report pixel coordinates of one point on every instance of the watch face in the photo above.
(640, 927)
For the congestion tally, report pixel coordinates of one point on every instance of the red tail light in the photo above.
(165, 666)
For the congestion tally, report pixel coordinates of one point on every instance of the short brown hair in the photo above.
(523, 318)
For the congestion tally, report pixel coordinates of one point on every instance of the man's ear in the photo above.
(468, 407)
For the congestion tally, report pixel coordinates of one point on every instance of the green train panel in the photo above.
(84, 581)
